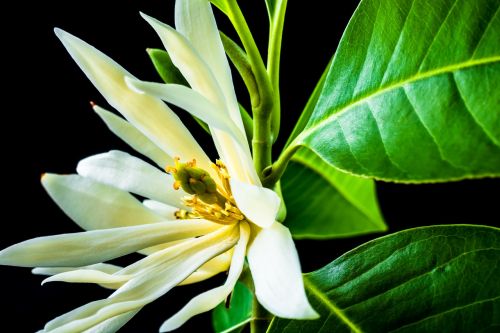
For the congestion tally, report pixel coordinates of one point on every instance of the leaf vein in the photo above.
(488, 26)
(436, 35)
(421, 275)
(397, 85)
(457, 308)
(431, 135)
(469, 111)
(316, 292)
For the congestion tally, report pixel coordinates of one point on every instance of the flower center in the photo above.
(207, 200)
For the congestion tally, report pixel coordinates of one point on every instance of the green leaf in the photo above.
(239, 313)
(412, 94)
(431, 279)
(165, 67)
(323, 202)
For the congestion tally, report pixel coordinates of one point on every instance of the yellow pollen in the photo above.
(220, 208)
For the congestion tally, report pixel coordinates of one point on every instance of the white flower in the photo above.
(185, 239)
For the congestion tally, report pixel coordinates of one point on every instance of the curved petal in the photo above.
(191, 101)
(113, 324)
(275, 268)
(94, 205)
(133, 137)
(106, 268)
(145, 288)
(195, 20)
(87, 276)
(234, 153)
(128, 173)
(210, 299)
(259, 204)
(211, 268)
(189, 62)
(236, 157)
(103, 268)
(166, 211)
(150, 115)
(90, 247)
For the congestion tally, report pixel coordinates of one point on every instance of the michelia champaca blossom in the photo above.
(199, 219)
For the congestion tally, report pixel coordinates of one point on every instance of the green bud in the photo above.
(194, 180)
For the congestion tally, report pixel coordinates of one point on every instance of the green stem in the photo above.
(263, 106)
(261, 318)
(277, 20)
(273, 173)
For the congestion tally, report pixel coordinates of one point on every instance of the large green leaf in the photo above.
(413, 92)
(325, 203)
(431, 279)
(237, 315)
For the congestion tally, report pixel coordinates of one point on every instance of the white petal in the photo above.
(145, 288)
(148, 114)
(195, 20)
(276, 273)
(112, 324)
(94, 205)
(90, 275)
(90, 247)
(133, 137)
(211, 268)
(102, 268)
(131, 174)
(106, 268)
(234, 153)
(87, 276)
(259, 204)
(236, 157)
(210, 299)
(193, 102)
(189, 62)
(167, 211)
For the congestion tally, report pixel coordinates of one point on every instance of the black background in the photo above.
(48, 126)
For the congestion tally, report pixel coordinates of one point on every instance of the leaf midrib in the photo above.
(316, 292)
(419, 76)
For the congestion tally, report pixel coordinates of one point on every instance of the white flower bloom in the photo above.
(186, 237)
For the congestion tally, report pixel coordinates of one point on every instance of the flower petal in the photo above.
(90, 247)
(195, 20)
(166, 211)
(113, 324)
(275, 268)
(133, 137)
(189, 62)
(145, 288)
(259, 204)
(131, 174)
(235, 153)
(210, 299)
(106, 268)
(87, 276)
(149, 115)
(211, 268)
(191, 101)
(102, 268)
(94, 205)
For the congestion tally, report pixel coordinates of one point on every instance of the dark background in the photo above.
(48, 126)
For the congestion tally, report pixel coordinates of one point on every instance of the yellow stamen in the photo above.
(223, 210)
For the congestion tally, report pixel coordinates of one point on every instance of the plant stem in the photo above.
(277, 20)
(262, 106)
(272, 174)
(261, 318)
